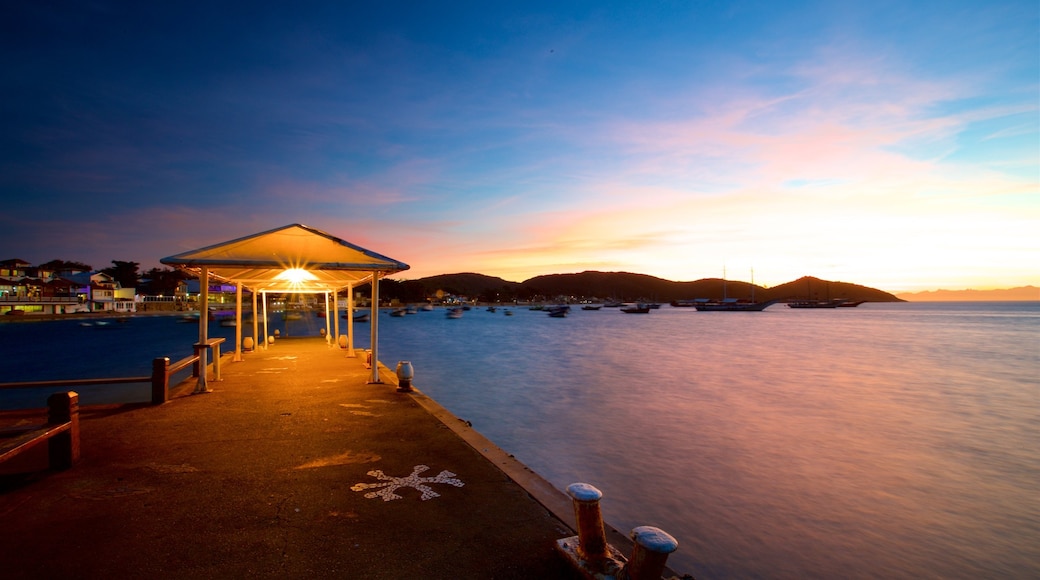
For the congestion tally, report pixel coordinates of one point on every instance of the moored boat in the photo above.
(559, 311)
(636, 309)
(816, 303)
(731, 305)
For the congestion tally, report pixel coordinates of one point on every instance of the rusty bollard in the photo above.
(650, 553)
(592, 540)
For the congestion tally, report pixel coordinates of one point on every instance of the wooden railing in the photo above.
(162, 372)
(61, 432)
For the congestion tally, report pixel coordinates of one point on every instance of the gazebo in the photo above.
(290, 259)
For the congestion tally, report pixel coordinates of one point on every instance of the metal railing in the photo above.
(61, 432)
(162, 372)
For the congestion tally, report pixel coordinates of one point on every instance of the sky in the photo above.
(892, 144)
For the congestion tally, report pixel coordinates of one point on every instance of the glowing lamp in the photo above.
(296, 276)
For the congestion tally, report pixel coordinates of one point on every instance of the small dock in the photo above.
(293, 466)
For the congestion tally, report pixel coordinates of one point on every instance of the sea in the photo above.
(891, 440)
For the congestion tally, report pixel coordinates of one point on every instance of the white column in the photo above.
(328, 322)
(374, 324)
(256, 322)
(335, 310)
(350, 321)
(238, 322)
(200, 387)
(266, 330)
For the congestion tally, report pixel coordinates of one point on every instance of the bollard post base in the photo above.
(605, 569)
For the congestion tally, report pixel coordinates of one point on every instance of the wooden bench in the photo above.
(61, 432)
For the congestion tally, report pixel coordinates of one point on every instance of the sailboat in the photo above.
(732, 304)
(810, 303)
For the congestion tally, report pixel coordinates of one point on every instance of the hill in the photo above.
(627, 286)
(1022, 293)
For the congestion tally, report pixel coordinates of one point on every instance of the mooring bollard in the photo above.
(592, 540)
(405, 373)
(650, 554)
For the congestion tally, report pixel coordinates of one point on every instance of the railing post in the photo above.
(650, 554)
(195, 365)
(592, 540)
(160, 380)
(216, 361)
(63, 448)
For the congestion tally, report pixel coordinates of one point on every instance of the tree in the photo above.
(162, 282)
(64, 266)
(124, 272)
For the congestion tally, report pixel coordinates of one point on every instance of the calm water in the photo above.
(889, 440)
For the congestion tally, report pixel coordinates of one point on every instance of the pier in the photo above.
(294, 464)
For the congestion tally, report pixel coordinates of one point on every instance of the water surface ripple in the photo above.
(888, 440)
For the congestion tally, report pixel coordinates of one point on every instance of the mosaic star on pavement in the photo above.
(392, 484)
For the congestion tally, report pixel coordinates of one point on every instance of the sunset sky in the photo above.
(891, 144)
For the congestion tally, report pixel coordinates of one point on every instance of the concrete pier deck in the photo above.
(292, 467)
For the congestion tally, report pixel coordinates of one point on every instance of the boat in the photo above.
(851, 304)
(592, 307)
(492, 309)
(360, 317)
(731, 305)
(228, 322)
(427, 307)
(292, 315)
(558, 311)
(455, 312)
(636, 309)
(398, 312)
(508, 312)
(613, 304)
(728, 304)
(816, 303)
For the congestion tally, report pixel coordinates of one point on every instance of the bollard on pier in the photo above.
(594, 558)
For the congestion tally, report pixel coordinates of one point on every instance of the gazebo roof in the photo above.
(292, 258)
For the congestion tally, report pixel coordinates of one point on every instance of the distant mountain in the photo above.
(1016, 294)
(627, 286)
(466, 284)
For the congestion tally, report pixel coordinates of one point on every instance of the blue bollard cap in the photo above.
(654, 539)
(584, 492)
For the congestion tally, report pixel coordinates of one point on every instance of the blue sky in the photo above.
(892, 144)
